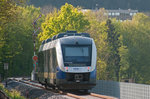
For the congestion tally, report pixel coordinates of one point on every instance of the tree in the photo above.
(68, 18)
(114, 45)
(136, 35)
(22, 31)
(7, 10)
(19, 47)
(98, 31)
(7, 15)
(112, 55)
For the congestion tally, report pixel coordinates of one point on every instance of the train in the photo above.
(68, 61)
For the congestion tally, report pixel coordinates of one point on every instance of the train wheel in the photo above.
(46, 86)
(38, 80)
(53, 87)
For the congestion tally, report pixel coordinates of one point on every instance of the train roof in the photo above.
(68, 33)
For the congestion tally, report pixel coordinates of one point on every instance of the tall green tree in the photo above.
(8, 10)
(7, 15)
(19, 47)
(136, 35)
(68, 18)
(113, 63)
(21, 33)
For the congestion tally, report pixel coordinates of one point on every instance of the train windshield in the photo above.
(77, 55)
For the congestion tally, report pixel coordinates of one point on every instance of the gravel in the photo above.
(31, 92)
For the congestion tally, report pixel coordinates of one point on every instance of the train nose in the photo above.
(78, 77)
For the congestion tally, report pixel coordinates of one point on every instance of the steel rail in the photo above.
(71, 95)
(66, 93)
(102, 96)
(4, 95)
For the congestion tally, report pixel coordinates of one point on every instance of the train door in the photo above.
(55, 64)
(46, 65)
(51, 66)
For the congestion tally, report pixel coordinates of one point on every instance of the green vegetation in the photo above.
(122, 47)
(111, 52)
(136, 36)
(16, 44)
(68, 18)
(13, 94)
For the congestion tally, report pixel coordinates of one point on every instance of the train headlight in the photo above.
(66, 68)
(88, 68)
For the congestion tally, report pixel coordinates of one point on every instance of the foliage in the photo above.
(111, 53)
(1, 86)
(7, 10)
(136, 35)
(68, 18)
(124, 62)
(12, 94)
(122, 47)
(113, 63)
(17, 49)
(23, 41)
(99, 33)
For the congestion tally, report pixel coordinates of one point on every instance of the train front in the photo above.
(76, 57)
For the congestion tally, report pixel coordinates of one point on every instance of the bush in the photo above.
(12, 94)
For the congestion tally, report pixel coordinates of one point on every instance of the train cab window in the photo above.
(77, 55)
(77, 51)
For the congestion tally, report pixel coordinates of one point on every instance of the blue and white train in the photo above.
(68, 61)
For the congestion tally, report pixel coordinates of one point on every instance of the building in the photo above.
(118, 14)
(121, 14)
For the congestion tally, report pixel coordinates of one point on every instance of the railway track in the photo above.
(3, 95)
(70, 94)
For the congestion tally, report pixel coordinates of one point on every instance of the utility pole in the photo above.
(35, 58)
(34, 33)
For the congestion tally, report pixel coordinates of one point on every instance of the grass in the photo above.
(13, 94)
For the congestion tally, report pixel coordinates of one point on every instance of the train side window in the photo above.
(51, 61)
(46, 62)
(48, 58)
(42, 61)
(55, 59)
